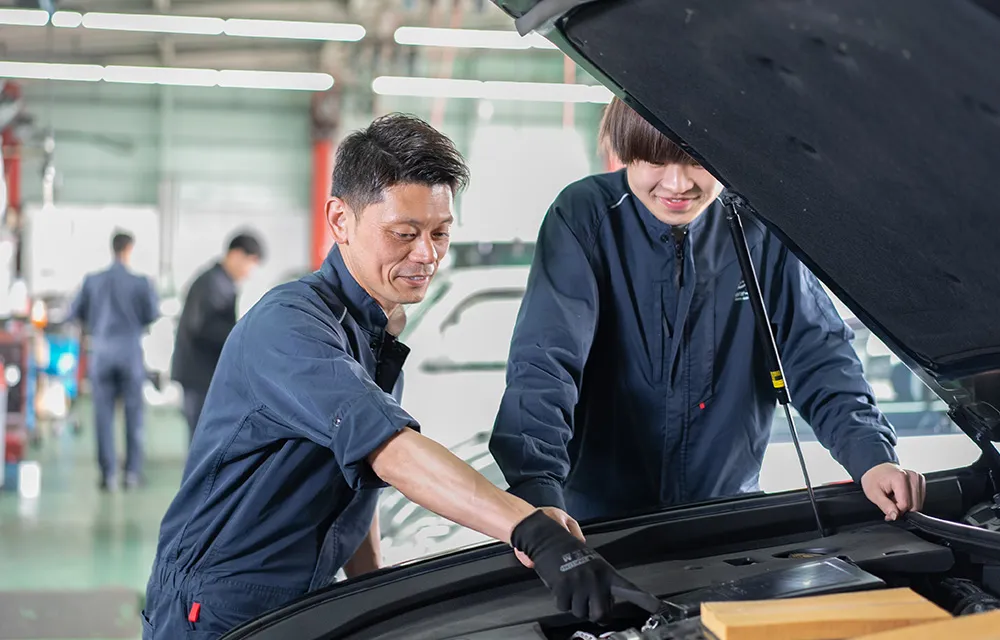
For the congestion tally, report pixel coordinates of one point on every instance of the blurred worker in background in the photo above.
(208, 316)
(115, 307)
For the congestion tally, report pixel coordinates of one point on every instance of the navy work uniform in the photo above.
(636, 380)
(116, 307)
(277, 493)
(208, 316)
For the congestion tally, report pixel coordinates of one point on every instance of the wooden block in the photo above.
(982, 626)
(832, 617)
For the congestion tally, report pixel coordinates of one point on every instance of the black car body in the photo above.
(823, 116)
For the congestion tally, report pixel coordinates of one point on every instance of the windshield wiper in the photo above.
(766, 334)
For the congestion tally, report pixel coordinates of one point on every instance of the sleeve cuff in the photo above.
(866, 454)
(359, 430)
(540, 493)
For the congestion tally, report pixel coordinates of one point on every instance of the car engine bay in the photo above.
(953, 565)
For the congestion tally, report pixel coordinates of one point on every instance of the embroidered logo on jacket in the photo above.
(742, 295)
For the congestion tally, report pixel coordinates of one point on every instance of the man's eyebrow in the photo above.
(416, 223)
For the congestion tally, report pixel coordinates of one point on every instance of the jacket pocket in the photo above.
(147, 626)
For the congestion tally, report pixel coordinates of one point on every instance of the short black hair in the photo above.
(121, 241)
(395, 149)
(248, 244)
(632, 139)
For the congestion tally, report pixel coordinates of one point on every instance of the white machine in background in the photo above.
(64, 242)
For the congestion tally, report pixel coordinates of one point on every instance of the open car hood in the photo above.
(865, 134)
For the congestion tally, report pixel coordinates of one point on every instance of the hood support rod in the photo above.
(766, 333)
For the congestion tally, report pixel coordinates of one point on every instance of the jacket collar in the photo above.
(360, 305)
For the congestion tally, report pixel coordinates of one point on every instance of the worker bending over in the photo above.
(635, 380)
(302, 424)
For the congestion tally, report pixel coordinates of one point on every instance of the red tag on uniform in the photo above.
(702, 406)
(195, 610)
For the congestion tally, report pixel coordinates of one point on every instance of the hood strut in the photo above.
(765, 332)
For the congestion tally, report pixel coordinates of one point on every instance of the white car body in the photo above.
(459, 338)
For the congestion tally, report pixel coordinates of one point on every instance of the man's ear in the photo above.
(337, 215)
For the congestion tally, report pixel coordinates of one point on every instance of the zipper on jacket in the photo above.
(680, 234)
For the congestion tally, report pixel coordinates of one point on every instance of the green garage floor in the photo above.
(75, 544)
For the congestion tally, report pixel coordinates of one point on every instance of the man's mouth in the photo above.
(417, 280)
(676, 204)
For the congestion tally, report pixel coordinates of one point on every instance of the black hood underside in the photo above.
(866, 134)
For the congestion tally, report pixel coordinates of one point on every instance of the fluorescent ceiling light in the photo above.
(47, 71)
(490, 90)
(427, 87)
(294, 30)
(469, 38)
(276, 80)
(24, 17)
(194, 25)
(293, 80)
(67, 19)
(154, 22)
(546, 92)
(162, 75)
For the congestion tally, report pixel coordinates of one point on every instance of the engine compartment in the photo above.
(957, 572)
(485, 594)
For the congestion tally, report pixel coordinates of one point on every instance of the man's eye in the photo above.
(441, 234)
(406, 236)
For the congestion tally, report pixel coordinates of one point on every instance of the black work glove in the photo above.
(580, 578)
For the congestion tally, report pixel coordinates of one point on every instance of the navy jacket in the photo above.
(277, 493)
(115, 307)
(209, 315)
(636, 380)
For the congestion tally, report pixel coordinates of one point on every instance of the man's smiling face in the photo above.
(676, 192)
(394, 247)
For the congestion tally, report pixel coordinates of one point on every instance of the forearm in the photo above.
(431, 476)
(368, 557)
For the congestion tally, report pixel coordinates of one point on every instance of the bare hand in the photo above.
(894, 490)
(563, 518)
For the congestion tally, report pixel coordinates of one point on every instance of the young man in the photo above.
(208, 316)
(115, 307)
(635, 379)
(302, 426)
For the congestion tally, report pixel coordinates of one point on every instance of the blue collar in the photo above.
(362, 307)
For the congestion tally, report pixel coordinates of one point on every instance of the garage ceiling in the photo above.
(376, 53)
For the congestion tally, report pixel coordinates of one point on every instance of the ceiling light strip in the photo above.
(294, 30)
(24, 17)
(469, 38)
(157, 23)
(178, 76)
(189, 25)
(490, 90)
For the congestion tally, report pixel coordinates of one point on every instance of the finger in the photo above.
(525, 560)
(628, 592)
(901, 493)
(581, 604)
(918, 489)
(600, 606)
(879, 498)
(564, 600)
(574, 528)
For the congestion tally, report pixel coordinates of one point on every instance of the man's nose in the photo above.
(676, 179)
(424, 251)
